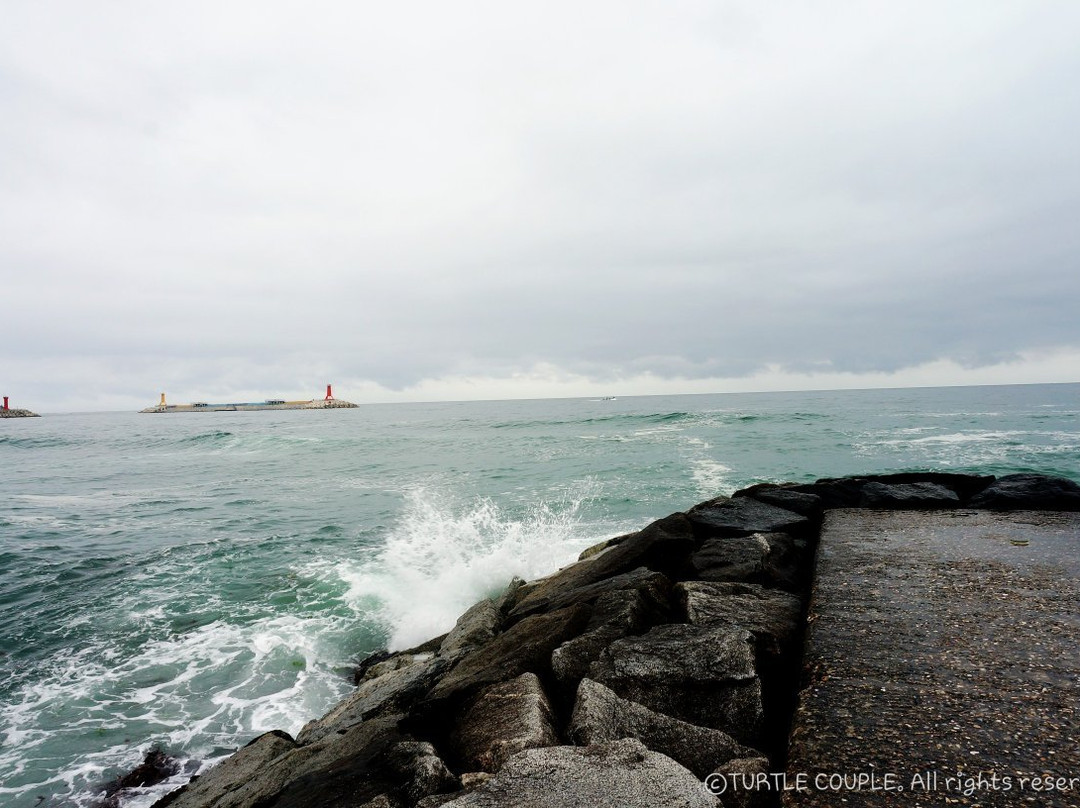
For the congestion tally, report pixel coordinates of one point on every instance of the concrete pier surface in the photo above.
(943, 656)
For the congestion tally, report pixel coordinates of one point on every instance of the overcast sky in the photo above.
(438, 200)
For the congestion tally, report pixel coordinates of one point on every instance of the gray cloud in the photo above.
(250, 197)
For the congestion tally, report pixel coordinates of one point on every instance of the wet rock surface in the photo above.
(669, 654)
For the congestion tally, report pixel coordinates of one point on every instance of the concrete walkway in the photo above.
(944, 660)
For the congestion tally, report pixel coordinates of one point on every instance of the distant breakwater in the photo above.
(9, 413)
(627, 678)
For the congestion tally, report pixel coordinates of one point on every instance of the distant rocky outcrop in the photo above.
(625, 678)
(11, 413)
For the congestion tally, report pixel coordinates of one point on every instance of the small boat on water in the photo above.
(327, 403)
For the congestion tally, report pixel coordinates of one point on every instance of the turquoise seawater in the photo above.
(192, 580)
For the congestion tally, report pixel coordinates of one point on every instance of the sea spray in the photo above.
(440, 559)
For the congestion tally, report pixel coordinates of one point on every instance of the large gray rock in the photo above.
(600, 715)
(769, 558)
(400, 772)
(847, 492)
(236, 771)
(654, 585)
(663, 546)
(809, 505)
(908, 496)
(622, 773)
(771, 615)
(524, 647)
(477, 626)
(1015, 492)
(601, 546)
(741, 516)
(700, 675)
(390, 686)
(505, 719)
(615, 615)
(263, 770)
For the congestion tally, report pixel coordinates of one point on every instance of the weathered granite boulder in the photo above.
(907, 496)
(390, 686)
(741, 516)
(773, 616)
(785, 496)
(847, 492)
(398, 773)
(1015, 492)
(654, 586)
(615, 615)
(622, 773)
(509, 598)
(663, 546)
(477, 626)
(700, 675)
(601, 546)
(765, 558)
(354, 762)
(600, 715)
(505, 719)
(524, 647)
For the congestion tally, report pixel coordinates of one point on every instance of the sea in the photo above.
(188, 581)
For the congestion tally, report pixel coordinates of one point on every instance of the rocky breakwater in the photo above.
(12, 413)
(626, 678)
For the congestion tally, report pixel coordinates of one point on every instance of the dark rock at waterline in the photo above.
(391, 686)
(1015, 492)
(156, 767)
(402, 772)
(525, 647)
(741, 516)
(847, 492)
(372, 665)
(223, 785)
(662, 546)
(554, 593)
(786, 497)
(478, 626)
(908, 496)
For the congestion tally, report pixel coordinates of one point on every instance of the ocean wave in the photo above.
(442, 557)
(203, 438)
(199, 695)
(36, 442)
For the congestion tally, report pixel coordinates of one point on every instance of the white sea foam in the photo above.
(442, 558)
(280, 673)
(711, 477)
